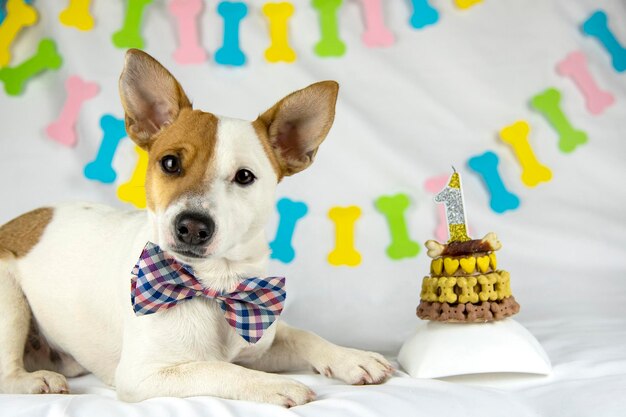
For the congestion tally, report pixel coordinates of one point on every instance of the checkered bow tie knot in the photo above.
(160, 282)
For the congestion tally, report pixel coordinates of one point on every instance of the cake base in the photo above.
(438, 350)
(468, 312)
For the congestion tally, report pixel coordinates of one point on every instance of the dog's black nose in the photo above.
(194, 229)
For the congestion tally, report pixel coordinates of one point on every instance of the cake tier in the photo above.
(494, 286)
(464, 265)
(468, 312)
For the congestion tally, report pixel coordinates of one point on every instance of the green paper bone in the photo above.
(46, 57)
(393, 207)
(129, 35)
(330, 44)
(548, 103)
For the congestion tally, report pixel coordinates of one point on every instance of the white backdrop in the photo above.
(405, 113)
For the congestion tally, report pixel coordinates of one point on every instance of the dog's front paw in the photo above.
(281, 391)
(356, 367)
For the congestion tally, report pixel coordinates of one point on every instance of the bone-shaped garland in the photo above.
(486, 165)
(189, 50)
(376, 33)
(278, 15)
(134, 190)
(129, 36)
(344, 252)
(230, 53)
(466, 4)
(423, 14)
(575, 67)
(533, 172)
(597, 25)
(19, 15)
(46, 57)
(290, 212)
(434, 185)
(393, 208)
(78, 91)
(330, 44)
(101, 169)
(548, 103)
(77, 15)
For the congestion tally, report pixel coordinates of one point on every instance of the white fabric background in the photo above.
(405, 113)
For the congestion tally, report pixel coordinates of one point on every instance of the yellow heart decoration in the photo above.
(494, 263)
(483, 263)
(437, 265)
(450, 265)
(468, 264)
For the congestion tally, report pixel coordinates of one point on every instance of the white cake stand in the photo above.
(439, 350)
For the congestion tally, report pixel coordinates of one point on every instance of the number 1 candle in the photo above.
(452, 197)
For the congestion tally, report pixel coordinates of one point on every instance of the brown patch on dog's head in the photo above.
(21, 234)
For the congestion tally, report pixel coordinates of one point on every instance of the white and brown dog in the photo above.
(65, 270)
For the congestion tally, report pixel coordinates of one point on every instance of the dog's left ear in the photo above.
(299, 123)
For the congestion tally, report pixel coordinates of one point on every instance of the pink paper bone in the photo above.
(434, 185)
(189, 50)
(575, 67)
(78, 91)
(376, 33)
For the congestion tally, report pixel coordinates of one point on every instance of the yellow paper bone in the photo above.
(77, 15)
(134, 191)
(344, 252)
(466, 4)
(278, 15)
(533, 172)
(19, 15)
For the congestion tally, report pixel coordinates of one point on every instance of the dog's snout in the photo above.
(194, 229)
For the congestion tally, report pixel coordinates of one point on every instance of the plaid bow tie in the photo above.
(159, 282)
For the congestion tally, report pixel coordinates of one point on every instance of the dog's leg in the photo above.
(295, 349)
(14, 326)
(215, 378)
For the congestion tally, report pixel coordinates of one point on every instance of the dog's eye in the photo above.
(170, 164)
(244, 177)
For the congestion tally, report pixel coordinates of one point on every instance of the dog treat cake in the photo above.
(464, 284)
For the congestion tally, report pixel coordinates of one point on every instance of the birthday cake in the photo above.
(464, 284)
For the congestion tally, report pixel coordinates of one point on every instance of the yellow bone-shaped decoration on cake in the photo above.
(467, 295)
(468, 264)
(278, 15)
(19, 14)
(487, 282)
(483, 263)
(450, 265)
(77, 15)
(436, 266)
(494, 262)
(344, 252)
(503, 285)
(429, 289)
(533, 171)
(446, 285)
(134, 191)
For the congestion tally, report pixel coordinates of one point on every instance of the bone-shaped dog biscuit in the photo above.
(376, 33)
(486, 165)
(597, 25)
(19, 15)
(189, 50)
(423, 14)
(533, 172)
(46, 57)
(330, 44)
(101, 169)
(278, 15)
(393, 207)
(574, 66)
(290, 213)
(77, 15)
(466, 4)
(230, 53)
(129, 36)
(78, 91)
(548, 103)
(344, 252)
(134, 190)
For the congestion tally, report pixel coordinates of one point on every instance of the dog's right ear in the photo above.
(151, 96)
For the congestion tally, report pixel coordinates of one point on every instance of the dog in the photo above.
(65, 304)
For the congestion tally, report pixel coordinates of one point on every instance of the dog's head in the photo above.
(211, 179)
